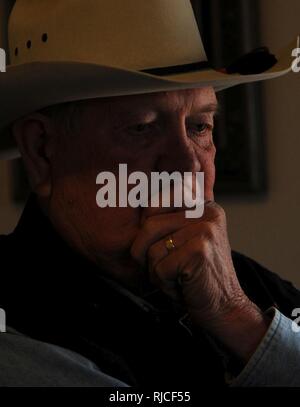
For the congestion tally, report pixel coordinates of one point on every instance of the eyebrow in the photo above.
(210, 108)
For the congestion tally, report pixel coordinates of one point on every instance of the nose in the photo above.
(178, 151)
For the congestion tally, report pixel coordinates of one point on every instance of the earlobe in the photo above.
(32, 136)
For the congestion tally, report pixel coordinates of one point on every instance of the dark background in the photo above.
(229, 30)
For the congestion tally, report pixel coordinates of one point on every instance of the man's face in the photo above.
(170, 131)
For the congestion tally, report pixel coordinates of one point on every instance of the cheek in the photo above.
(74, 191)
(82, 222)
(109, 231)
(208, 167)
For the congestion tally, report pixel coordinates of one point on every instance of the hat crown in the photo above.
(131, 34)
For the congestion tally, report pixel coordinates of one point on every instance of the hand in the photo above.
(202, 260)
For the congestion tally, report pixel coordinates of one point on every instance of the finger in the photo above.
(154, 229)
(160, 227)
(203, 230)
(185, 263)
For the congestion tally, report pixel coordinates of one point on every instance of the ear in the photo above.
(34, 136)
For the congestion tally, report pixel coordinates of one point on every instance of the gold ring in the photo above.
(170, 244)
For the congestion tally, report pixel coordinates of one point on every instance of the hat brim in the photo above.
(29, 87)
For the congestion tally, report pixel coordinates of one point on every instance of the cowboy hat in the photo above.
(68, 50)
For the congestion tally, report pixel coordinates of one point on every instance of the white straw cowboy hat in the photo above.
(67, 50)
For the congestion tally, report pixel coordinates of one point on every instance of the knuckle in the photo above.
(220, 212)
(204, 246)
(210, 231)
(199, 247)
(187, 273)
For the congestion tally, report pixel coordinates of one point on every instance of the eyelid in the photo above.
(148, 126)
(209, 121)
(134, 120)
(208, 127)
(202, 115)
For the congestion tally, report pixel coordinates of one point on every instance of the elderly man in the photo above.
(127, 295)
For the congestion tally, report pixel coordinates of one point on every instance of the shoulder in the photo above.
(265, 287)
(28, 362)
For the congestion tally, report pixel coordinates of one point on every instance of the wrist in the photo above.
(240, 330)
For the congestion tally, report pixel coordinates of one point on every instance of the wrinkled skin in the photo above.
(170, 131)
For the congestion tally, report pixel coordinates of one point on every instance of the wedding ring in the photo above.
(170, 245)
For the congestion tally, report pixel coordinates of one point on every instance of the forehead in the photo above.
(202, 98)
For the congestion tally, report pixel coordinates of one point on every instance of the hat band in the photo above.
(177, 69)
(255, 62)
